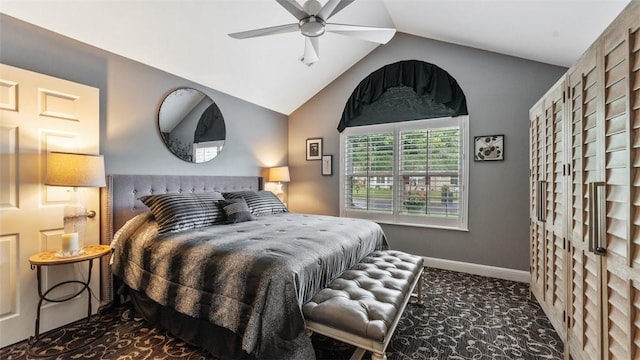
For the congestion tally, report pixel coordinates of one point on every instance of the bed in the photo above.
(234, 289)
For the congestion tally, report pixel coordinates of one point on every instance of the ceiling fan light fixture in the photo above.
(312, 23)
(312, 26)
(312, 7)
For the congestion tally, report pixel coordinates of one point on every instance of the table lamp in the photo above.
(75, 170)
(279, 174)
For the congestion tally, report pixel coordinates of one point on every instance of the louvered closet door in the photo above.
(583, 280)
(537, 243)
(621, 281)
(555, 206)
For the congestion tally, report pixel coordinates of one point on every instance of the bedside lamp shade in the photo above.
(279, 174)
(74, 170)
(77, 170)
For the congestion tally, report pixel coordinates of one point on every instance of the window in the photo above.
(412, 172)
(206, 150)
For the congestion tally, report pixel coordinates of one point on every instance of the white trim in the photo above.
(478, 269)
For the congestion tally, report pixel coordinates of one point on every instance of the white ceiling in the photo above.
(189, 38)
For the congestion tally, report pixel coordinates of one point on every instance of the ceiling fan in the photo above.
(312, 23)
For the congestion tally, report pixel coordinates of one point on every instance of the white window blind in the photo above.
(406, 173)
(369, 172)
(205, 151)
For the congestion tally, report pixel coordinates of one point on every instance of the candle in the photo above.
(70, 242)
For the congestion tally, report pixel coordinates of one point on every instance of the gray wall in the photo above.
(500, 90)
(130, 96)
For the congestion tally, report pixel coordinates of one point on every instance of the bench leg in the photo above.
(378, 356)
(358, 354)
(420, 299)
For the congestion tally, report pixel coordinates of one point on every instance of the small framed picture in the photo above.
(488, 148)
(327, 165)
(314, 149)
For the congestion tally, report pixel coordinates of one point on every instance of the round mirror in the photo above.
(191, 125)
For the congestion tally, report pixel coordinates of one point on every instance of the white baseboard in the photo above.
(477, 269)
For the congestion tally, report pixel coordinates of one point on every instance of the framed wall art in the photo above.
(314, 149)
(488, 148)
(327, 165)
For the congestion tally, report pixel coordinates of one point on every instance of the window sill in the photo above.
(438, 227)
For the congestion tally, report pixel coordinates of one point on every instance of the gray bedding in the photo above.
(251, 278)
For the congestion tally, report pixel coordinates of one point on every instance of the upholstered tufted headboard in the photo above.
(119, 201)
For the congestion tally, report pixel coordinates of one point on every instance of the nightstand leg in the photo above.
(39, 277)
(89, 289)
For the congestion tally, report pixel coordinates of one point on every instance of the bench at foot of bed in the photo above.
(363, 305)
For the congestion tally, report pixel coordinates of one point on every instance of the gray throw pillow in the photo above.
(236, 210)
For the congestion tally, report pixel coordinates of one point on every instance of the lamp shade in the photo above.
(78, 170)
(280, 173)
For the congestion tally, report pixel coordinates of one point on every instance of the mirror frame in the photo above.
(191, 114)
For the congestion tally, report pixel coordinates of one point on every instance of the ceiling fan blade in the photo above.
(369, 33)
(332, 7)
(311, 50)
(280, 29)
(294, 8)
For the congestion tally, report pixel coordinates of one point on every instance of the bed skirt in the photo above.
(216, 340)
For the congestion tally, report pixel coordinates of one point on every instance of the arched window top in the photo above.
(435, 94)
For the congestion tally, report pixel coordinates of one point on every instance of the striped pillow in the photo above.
(178, 212)
(260, 202)
(236, 210)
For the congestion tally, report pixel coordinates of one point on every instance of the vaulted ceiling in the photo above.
(189, 38)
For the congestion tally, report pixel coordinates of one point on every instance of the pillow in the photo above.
(236, 210)
(178, 212)
(260, 202)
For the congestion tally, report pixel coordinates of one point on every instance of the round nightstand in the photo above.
(50, 258)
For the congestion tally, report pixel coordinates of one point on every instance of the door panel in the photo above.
(39, 114)
(537, 227)
(555, 206)
(621, 105)
(585, 299)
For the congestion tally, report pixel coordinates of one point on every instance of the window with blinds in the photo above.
(406, 173)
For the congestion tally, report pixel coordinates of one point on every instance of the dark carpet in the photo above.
(464, 317)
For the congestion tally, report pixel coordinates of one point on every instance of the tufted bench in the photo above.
(363, 305)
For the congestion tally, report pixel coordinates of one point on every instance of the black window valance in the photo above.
(435, 94)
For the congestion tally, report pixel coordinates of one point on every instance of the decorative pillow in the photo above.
(236, 210)
(260, 202)
(178, 212)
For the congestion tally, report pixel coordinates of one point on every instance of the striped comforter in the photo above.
(250, 277)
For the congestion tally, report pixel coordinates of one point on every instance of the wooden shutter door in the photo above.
(537, 243)
(555, 206)
(584, 308)
(621, 281)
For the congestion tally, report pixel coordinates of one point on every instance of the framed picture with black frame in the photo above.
(314, 149)
(327, 165)
(488, 148)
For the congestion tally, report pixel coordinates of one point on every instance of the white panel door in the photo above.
(38, 114)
